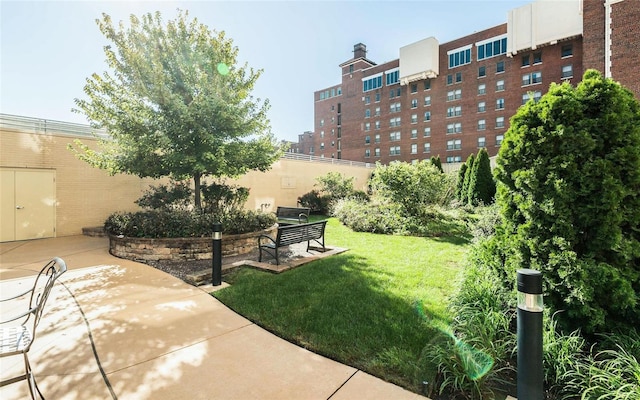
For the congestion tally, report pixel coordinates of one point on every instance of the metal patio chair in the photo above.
(18, 332)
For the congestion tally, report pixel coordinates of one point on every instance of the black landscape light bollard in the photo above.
(216, 273)
(530, 306)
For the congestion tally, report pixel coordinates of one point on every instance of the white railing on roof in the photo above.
(40, 125)
(306, 157)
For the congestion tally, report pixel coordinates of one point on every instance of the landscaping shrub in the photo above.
(182, 223)
(568, 186)
(175, 195)
(332, 187)
(374, 217)
(482, 187)
(219, 197)
(611, 372)
(464, 190)
(473, 358)
(413, 186)
(318, 203)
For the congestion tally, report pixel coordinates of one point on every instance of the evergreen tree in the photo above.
(482, 187)
(464, 192)
(460, 183)
(569, 189)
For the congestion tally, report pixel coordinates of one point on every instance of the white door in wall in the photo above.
(27, 204)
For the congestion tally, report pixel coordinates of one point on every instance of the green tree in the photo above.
(569, 189)
(462, 172)
(175, 104)
(464, 197)
(482, 187)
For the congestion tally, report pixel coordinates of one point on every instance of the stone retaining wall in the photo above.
(181, 249)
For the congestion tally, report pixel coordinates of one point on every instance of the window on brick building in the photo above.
(427, 100)
(567, 71)
(427, 116)
(500, 104)
(414, 148)
(414, 134)
(427, 131)
(414, 103)
(526, 60)
(482, 88)
(449, 79)
(482, 124)
(454, 159)
(367, 126)
(499, 122)
(499, 67)
(566, 50)
(414, 88)
(367, 139)
(537, 57)
(482, 71)
(322, 146)
(377, 114)
(367, 113)
(377, 138)
(481, 142)
(414, 118)
(367, 153)
(377, 125)
(427, 84)
(499, 139)
(454, 111)
(426, 148)
(500, 85)
(376, 152)
(482, 106)
(455, 144)
(394, 150)
(394, 136)
(458, 77)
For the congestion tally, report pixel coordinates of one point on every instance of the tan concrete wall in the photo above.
(289, 179)
(87, 195)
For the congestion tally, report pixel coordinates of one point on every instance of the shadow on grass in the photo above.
(342, 308)
(461, 240)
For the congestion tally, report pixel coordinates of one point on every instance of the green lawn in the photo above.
(370, 307)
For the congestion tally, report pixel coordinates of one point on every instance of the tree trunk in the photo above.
(196, 190)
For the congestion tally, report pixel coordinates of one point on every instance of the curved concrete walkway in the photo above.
(117, 329)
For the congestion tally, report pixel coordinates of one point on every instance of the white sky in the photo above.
(49, 48)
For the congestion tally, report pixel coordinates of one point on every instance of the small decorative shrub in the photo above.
(220, 197)
(371, 217)
(181, 223)
(175, 195)
(318, 203)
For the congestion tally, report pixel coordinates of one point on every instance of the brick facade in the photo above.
(625, 44)
(354, 124)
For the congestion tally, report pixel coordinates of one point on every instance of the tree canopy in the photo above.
(175, 103)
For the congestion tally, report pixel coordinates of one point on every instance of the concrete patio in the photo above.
(115, 328)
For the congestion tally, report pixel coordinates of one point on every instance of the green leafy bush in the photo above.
(568, 186)
(482, 187)
(374, 217)
(182, 223)
(175, 195)
(413, 186)
(317, 202)
(219, 197)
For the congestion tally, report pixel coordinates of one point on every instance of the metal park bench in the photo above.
(292, 234)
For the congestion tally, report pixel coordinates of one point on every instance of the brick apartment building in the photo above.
(450, 99)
